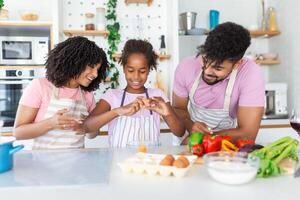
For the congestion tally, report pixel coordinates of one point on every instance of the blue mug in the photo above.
(6, 155)
(213, 19)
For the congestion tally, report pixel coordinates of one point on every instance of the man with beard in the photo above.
(219, 91)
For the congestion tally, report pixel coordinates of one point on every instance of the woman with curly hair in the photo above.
(133, 113)
(52, 109)
(224, 90)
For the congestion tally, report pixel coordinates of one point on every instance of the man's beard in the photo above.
(211, 83)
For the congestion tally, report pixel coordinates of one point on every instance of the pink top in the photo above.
(38, 94)
(114, 97)
(248, 90)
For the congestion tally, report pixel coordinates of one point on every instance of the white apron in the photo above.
(216, 119)
(59, 138)
(130, 128)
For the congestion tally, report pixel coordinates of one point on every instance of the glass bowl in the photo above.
(138, 146)
(231, 168)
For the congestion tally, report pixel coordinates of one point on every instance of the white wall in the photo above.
(287, 45)
(44, 8)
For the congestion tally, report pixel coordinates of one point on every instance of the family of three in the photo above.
(217, 91)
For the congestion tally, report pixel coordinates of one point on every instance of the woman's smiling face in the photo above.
(136, 72)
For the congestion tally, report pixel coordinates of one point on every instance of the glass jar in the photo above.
(89, 21)
(272, 21)
(100, 18)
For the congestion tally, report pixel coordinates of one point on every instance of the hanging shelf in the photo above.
(161, 57)
(148, 2)
(261, 33)
(71, 33)
(268, 62)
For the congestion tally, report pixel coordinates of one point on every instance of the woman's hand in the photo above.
(129, 109)
(61, 121)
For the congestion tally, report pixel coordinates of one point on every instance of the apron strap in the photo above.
(229, 89)
(55, 93)
(194, 87)
(124, 94)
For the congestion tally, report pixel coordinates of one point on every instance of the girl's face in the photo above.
(86, 77)
(136, 72)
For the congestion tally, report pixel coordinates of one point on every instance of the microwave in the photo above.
(15, 50)
(276, 101)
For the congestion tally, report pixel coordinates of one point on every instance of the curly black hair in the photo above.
(71, 57)
(142, 47)
(228, 41)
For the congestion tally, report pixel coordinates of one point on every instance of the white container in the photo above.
(148, 164)
(231, 168)
(100, 18)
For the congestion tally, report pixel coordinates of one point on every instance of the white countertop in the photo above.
(197, 185)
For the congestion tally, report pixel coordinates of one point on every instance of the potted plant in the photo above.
(3, 12)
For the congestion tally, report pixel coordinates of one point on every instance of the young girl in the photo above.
(134, 110)
(51, 109)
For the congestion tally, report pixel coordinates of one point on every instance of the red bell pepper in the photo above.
(212, 143)
(242, 142)
(227, 137)
(198, 150)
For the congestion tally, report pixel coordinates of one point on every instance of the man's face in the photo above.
(213, 72)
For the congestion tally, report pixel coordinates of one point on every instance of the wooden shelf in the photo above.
(21, 66)
(26, 23)
(268, 62)
(148, 2)
(261, 33)
(85, 33)
(117, 56)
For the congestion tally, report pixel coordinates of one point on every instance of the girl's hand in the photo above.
(129, 109)
(61, 121)
(158, 105)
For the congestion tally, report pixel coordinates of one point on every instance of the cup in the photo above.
(213, 19)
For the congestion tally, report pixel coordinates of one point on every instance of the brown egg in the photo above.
(179, 163)
(185, 160)
(142, 148)
(170, 157)
(166, 162)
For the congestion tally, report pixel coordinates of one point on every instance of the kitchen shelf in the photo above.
(261, 33)
(21, 66)
(268, 62)
(148, 2)
(26, 23)
(86, 33)
(117, 56)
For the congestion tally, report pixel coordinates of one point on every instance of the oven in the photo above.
(12, 84)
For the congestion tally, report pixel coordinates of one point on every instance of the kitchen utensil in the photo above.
(187, 20)
(297, 173)
(231, 168)
(6, 153)
(213, 19)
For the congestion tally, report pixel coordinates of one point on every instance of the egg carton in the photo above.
(143, 163)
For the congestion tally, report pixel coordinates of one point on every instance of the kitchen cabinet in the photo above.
(161, 57)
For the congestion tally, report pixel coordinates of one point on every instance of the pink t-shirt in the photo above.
(114, 97)
(38, 94)
(248, 90)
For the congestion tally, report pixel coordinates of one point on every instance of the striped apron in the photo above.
(59, 138)
(216, 119)
(130, 128)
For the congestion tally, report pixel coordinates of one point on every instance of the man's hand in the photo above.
(200, 127)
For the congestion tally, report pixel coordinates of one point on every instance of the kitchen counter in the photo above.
(197, 184)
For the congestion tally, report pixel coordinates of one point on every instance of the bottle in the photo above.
(100, 18)
(162, 49)
(89, 21)
(272, 21)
